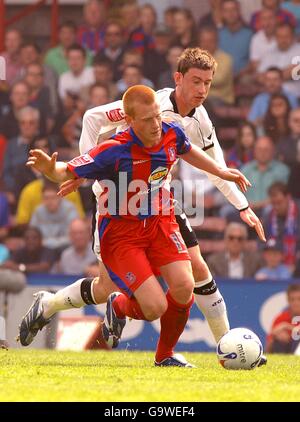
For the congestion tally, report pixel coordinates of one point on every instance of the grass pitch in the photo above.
(33, 375)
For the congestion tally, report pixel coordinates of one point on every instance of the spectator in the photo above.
(132, 75)
(235, 261)
(283, 16)
(184, 29)
(155, 62)
(141, 38)
(31, 198)
(263, 171)
(11, 55)
(167, 77)
(273, 80)
(18, 147)
(169, 14)
(288, 150)
(235, 37)
(282, 222)
(91, 35)
(19, 98)
(98, 95)
(103, 74)
(53, 218)
(293, 6)
(40, 96)
(56, 57)
(282, 56)
(222, 88)
(275, 123)
(274, 269)
(214, 17)
(72, 127)
(280, 339)
(33, 257)
(243, 151)
(114, 48)
(24, 174)
(263, 41)
(130, 16)
(77, 258)
(78, 76)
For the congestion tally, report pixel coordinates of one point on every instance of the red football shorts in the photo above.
(130, 249)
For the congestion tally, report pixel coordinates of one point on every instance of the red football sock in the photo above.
(124, 306)
(172, 324)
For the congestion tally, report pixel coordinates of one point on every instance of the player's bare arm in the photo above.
(56, 171)
(197, 158)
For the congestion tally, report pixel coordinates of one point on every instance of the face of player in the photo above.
(147, 123)
(192, 88)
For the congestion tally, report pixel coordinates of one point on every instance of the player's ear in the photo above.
(128, 119)
(178, 78)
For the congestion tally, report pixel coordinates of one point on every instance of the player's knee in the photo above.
(184, 290)
(155, 310)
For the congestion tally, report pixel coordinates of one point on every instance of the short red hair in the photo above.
(137, 94)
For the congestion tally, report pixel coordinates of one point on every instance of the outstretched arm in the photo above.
(199, 159)
(57, 171)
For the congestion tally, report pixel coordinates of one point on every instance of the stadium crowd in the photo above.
(254, 103)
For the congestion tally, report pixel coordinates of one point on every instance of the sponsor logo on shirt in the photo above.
(115, 115)
(158, 175)
(82, 160)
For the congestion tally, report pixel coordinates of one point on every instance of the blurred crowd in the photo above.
(253, 103)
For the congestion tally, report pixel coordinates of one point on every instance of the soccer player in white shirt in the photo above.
(184, 105)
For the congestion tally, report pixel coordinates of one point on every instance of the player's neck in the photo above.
(183, 108)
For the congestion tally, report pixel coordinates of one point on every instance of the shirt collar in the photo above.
(173, 101)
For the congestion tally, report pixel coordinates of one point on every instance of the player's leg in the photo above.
(179, 278)
(207, 295)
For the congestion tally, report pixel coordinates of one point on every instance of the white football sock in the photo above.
(67, 298)
(212, 306)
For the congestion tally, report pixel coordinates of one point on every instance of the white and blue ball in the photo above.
(240, 348)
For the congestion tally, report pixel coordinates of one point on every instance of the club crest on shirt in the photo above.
(130, 277)
(172, 153)
(158, 175)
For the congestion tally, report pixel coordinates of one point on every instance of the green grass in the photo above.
(33, 375)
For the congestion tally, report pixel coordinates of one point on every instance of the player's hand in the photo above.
(249, 217)
(234, 175)
(69, 186)
(41, 161)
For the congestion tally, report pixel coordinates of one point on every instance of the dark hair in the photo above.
(32, 44)
(68, 24)
(271, 124)
(34, 229)
(278, 187)
(98, 85)
(286, 25)
(195, 57)
(98, 61)
(239, 146)
(293, 288)
(77, 47)
(274, 69)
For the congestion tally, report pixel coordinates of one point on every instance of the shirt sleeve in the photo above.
(183, 144)
(98, 120)
(98, 163)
